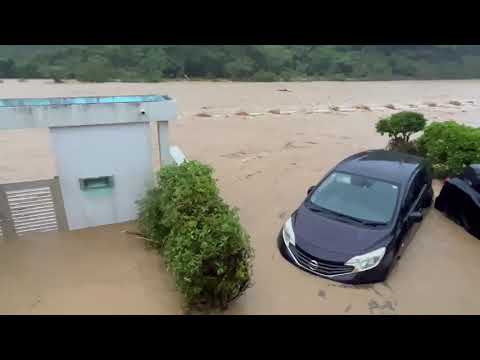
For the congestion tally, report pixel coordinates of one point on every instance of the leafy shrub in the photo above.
(450, 147)
(200, 236)
(401, 126)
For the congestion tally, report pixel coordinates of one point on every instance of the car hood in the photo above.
(335, 240)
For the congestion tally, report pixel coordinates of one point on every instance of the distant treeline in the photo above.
(240, 62)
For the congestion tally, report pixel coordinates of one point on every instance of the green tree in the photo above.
(97, 69)
(7, 68)
(241, 68)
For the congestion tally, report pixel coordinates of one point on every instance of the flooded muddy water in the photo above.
(264, 165)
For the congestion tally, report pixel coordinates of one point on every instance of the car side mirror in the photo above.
(416, 216)
(310, 189)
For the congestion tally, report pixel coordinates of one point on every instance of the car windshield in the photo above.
(357, 197)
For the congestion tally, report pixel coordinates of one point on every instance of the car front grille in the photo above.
(318, 266)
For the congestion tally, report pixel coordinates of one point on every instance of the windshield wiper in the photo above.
(334, 213)
(373, 223)
(344, 216)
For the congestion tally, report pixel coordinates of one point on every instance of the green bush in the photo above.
(401, 126)
(450, 147)
(200, 236)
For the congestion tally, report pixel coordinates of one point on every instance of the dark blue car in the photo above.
(354, 222)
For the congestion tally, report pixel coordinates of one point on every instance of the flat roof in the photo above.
(85, 110)
(82, 100)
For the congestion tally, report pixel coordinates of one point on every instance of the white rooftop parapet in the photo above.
(79, 111)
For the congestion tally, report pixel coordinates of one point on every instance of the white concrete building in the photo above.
(103, 152)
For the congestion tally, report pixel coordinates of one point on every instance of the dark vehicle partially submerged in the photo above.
(459, 199)
(353, 224)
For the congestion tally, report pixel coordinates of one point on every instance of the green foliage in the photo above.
(240, 68)
(401, 126)
(7, 68)
(201, 238)
(409, 147)
(241, 62)
(96, 69)
(264, 76)
(450, 147)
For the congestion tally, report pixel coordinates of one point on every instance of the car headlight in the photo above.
(367, 261)
(288, 234)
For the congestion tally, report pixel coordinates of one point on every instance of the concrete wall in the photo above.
(121, 150)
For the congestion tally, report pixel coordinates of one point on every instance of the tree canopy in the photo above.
(240, 62)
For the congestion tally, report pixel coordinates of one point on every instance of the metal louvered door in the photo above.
(33, 206)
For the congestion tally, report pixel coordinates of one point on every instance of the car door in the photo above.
(413, 202)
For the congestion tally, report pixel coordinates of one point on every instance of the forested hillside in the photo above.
(240, 62)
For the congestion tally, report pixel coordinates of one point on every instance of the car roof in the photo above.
(381, 164)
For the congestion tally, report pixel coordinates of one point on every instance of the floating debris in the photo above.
(390, 106)
(203, 114)
(252, 174)
(274, 111)
(334, 108)
(241, 113)
(455, 102)
(430, 103)
(284, 90)
(362, 107)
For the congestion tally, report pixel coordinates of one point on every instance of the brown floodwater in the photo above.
(264, 165)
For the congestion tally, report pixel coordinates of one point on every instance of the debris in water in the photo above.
(203, 114)
(250, 175)
(455, 102)
(362, 107)
(284, 90)
(334, 108)
(430, 103)
(241, 113)
(274, 111)
(390, 106)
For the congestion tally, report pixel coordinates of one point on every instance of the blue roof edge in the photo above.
(84, 100)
